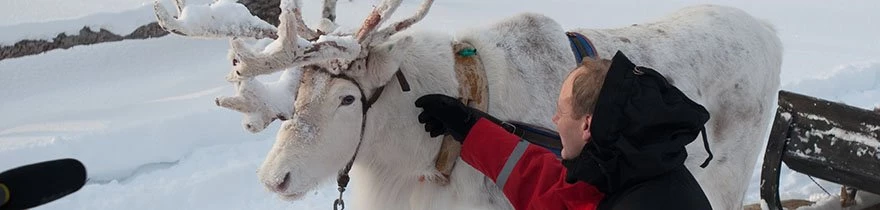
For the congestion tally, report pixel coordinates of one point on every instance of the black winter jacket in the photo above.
(640, 127)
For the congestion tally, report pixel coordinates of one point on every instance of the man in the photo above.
(623, 130)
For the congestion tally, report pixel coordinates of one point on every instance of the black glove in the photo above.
(443, 114)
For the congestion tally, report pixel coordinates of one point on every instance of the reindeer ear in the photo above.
(384, 59)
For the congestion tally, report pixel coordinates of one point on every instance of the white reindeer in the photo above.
(348, 104)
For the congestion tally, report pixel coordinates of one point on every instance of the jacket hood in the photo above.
(640, 127)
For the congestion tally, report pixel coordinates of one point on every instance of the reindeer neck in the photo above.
(396, 151)
(380, 187)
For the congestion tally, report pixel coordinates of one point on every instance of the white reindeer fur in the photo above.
(721, 57)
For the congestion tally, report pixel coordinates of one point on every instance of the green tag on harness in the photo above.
(467, 52)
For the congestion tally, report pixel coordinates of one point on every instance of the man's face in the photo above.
(574, 131)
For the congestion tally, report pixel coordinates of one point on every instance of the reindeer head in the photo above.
(339, 72)
(331, 104)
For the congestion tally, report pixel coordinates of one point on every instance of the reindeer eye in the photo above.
(347, 100)
(234, 62)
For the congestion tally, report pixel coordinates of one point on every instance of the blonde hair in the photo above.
(586, 85)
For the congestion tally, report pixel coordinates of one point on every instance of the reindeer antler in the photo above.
(295, 45)
(328, 17)
(385, 33)
(329, 11)
(226, 18)
(304, 29)
(367, 34)
(230, 19)
(289, 50)
(376, 17)
(327, 24)
(262, 103)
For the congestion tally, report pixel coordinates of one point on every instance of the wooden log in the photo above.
(832, 141)
(779, 135)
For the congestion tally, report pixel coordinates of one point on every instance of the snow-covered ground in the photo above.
(140, 113)
(39, 11)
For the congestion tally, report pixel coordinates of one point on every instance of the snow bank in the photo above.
(120, 23)
(34, 11)
(856, 84)
(214, 177)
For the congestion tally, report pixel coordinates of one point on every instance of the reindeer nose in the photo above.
(281, 186)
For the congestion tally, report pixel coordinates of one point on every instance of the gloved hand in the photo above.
(443, 114)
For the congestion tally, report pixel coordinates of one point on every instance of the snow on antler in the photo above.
(263, 103)
(289, 50)
(295, 45)
(224, 18)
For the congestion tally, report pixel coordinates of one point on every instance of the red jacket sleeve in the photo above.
(537, 178)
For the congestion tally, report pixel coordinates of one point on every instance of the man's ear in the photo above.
(585, 127)
(385, 59)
